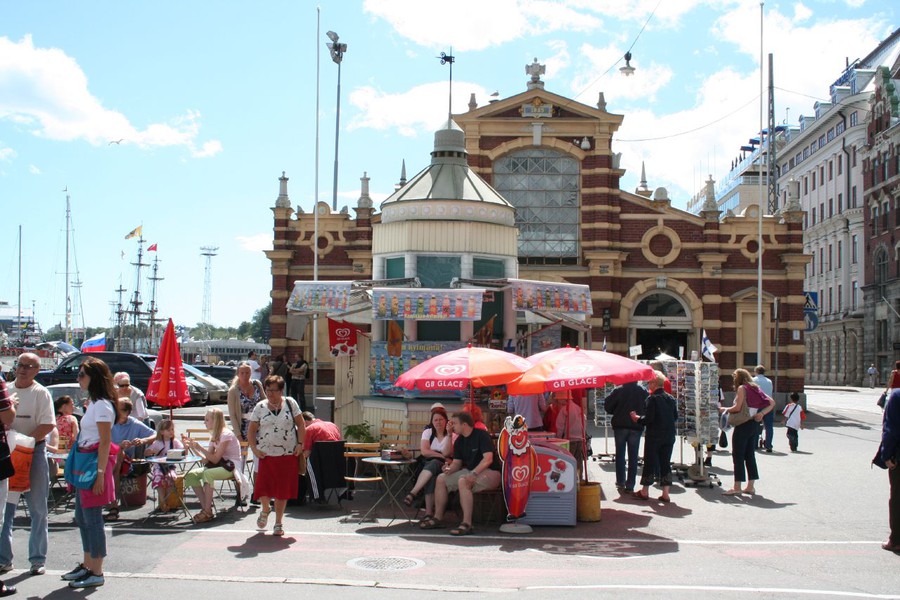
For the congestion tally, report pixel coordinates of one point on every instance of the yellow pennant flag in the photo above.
(135, 232)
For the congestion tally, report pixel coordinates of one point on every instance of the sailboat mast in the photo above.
(68, 330)
(153, 309)
(136, 300)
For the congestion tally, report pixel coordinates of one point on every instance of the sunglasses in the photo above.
(123, 385)
(21, 366)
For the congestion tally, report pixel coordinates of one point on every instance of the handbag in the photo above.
(81, 467)
(740, 417)
(223, 463)
(723, 440)
(882, 400)
(301, 463)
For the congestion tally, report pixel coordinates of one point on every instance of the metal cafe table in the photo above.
(395, 475)
(183, 465)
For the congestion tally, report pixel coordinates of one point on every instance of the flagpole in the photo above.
(315, 240)
(759, 255)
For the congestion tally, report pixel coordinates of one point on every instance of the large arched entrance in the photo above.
(661, 323)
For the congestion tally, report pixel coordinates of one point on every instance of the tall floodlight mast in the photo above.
(208, 252)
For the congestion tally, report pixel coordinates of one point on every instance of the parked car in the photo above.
(224, 373)
(138, 366)
(218, 390)
(79, 396)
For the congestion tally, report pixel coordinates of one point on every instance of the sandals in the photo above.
(462, 529)
(665, 499)
(429, 522)
(278, 530)
(409, 499)
(113, 514)
(732, 492)
(203, 517)
(640, 495)
(262, 519)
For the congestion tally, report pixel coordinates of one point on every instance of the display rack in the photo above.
(602, 418)
(695, 386)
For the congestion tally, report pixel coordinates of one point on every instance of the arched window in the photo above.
(543, 185)
(660, 305)
(881, 266)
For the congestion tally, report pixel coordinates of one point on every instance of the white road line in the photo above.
(714, 588)
(499, 538)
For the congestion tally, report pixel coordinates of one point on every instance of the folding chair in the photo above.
(393, 433)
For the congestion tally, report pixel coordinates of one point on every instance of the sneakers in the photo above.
(37, 569)
(75, 574)
(88, 581)
(6, 568)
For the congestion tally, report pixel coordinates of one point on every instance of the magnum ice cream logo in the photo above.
(449, 370)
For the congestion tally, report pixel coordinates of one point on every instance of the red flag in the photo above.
(167, 384)
(342, 338)
(152, 248)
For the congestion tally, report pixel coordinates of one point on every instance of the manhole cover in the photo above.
(385, 563)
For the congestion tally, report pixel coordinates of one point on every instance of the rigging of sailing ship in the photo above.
(144, 323)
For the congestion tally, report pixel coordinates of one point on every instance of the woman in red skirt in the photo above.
(276, 438)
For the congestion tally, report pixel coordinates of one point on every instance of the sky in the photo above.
(179, 117)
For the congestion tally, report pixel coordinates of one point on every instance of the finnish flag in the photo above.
(707, 347)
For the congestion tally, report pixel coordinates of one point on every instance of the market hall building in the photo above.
(657, 275)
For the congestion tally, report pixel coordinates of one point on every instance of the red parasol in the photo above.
(572, 368)
(457, 369)
(167, 384)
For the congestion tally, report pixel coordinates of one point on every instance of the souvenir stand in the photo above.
(695, 386)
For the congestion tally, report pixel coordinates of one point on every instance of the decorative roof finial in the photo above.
(283, 201)
(535, 69)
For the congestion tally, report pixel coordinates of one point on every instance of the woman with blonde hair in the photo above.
(243, 396)
(222, 456)
(744, 439)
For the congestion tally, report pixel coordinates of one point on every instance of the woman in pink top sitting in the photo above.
(222, 455)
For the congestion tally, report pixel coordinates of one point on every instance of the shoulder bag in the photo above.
(740, 417)
(81, 466)
(301, 463)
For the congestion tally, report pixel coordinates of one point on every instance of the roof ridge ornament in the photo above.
(535, 69)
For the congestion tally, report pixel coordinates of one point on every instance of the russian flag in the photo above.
(95, 344)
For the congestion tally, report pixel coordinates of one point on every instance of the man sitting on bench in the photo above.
(475, 468)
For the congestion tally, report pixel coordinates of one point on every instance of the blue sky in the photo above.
(213, 100)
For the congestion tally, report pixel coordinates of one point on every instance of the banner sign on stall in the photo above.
(550, 296)
(320, 296)
(384, 369)
(426, 304)
(342, 338)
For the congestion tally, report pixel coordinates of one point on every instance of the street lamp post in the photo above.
(337, 55)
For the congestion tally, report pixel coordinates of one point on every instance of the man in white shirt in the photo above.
(873, 375)
(765, 384)
(253, 360)
(34, 418)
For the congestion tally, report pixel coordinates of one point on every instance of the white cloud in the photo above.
(34, 170)
(601, 74)
(45, 92)
(7, 154)
(255, 243)
(498, 22)
(412, 112)
(680, 149)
